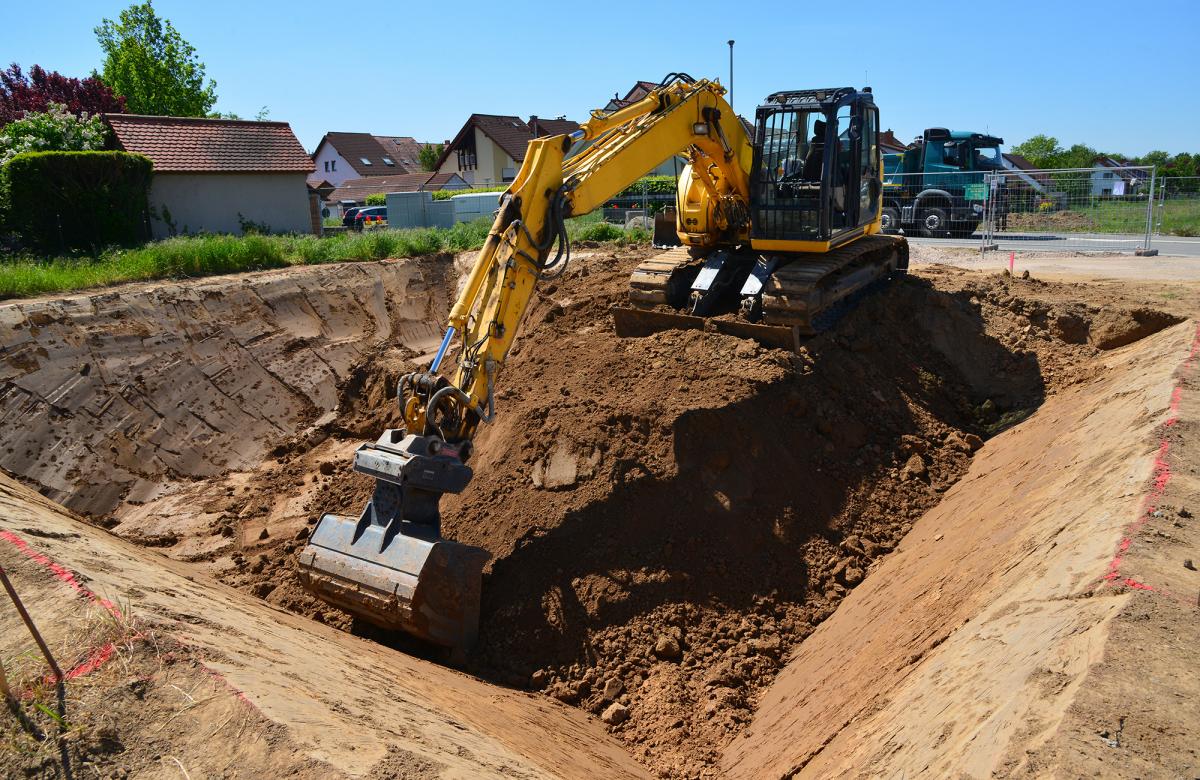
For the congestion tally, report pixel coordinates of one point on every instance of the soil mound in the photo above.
(670, 515)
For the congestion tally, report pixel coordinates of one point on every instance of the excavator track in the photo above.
(807, 286)
(665, 278)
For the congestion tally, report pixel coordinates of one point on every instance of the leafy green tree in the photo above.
(429, 155)
(148, 62)
(1041, 150)
(1156, 157)
(1078, 156)
(56, 130)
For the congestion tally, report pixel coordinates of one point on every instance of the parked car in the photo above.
(370, 215)
(348, 216)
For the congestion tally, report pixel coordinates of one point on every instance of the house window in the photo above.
(327, 166)
(388, 162)
(1108, 174)
(466, 159)
(333, 165)
(365, 161)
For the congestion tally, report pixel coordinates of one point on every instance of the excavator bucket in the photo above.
(636, 323)
(390, 566)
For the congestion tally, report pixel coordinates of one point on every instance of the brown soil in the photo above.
(634, 505)
(670, 516)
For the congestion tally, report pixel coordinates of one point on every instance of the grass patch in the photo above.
(194, 256)
(1179, 217)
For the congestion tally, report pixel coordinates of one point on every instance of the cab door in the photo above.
(854, 188)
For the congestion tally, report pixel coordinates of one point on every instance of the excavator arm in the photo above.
(390, 566)
(528, 240)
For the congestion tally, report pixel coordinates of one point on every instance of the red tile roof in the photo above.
(888, 140)
(198, 145)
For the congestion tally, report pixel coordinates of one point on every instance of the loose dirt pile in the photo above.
(669, 516)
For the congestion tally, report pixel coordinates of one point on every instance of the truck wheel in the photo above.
(889, 219)
(934, 223)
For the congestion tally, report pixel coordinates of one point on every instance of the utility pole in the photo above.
(731, 73)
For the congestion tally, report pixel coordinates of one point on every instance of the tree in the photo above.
(55, 130)
(147, 61)
(429, 155)
(21, 94)
(1041, 150)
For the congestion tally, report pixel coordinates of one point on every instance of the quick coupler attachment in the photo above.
(390, 566)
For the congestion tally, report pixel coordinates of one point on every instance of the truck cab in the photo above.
(937, 187)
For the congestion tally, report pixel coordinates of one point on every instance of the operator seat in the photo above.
(816, 152)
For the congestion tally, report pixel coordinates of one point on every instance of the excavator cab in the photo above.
(816, 167)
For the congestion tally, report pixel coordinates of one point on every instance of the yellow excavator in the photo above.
(775, 231)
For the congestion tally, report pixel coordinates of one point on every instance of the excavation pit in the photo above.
(670, 516)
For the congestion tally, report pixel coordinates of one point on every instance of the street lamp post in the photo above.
(731, 73)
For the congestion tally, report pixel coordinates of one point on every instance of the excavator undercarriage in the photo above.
(772, 298)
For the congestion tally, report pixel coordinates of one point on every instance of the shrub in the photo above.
(377, 199)
(652, 185)
(600, 231)
(448, 194)
(56, 130)
(68, 201)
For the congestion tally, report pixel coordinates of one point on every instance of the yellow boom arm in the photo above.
(680, 117)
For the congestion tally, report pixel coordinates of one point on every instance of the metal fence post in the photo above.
(1146, 251)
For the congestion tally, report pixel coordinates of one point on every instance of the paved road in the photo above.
(1175, 246)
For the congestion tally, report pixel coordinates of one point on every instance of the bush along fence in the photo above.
(72, 201)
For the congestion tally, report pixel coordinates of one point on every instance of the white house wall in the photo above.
(212, 202)
(342, 168)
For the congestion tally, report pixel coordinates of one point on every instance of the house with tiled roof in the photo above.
(217, 175)
(1111, 176)
(487, 150)
(343, 156)
(638, 91)
(354, 192)
(889, 143)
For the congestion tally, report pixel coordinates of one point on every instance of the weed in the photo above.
(205, 255)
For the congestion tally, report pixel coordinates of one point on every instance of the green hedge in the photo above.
(69, 201)
(376, 199)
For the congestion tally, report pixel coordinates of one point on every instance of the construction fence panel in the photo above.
(1177, 206)
(1081, 210)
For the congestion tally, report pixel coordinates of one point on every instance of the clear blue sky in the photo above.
(1120, 76)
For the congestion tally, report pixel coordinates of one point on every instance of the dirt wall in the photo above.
(106, 396)
(963, 652)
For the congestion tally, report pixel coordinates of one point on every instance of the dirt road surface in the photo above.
(889, 554)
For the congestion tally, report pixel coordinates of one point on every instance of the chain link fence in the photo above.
(1103, 209)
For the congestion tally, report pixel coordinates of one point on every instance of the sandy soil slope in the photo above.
(323, 703)
(972, 649)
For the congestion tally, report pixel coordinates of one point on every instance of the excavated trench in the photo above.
(669, 516)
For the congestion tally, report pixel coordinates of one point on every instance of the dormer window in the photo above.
(388, 162)
(365, 161)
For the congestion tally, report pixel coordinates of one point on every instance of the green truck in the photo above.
(937, 187)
